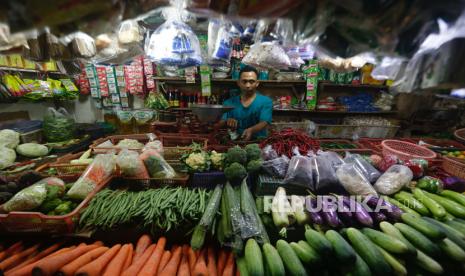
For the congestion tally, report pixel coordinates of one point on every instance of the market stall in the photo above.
(195, 138)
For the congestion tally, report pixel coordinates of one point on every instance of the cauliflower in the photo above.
(217, 160)
(236, 155)
(253, 152)
(198, 161)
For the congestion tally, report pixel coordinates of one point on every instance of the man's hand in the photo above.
(247, 134)
(231, 123)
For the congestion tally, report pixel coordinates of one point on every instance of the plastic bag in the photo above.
(130, 165)
(430, 184)
(27, 199)
(9, 138)
(366, 168)
(58, 125)
(333, 158)
(100, 169)
(223, 45)
(130, 32)
(154, 144)
(105, 145)
(156, 164)
(353, 180)
(82, 45)
(267, 55)
(417, 166)
(324, 174)
(388, 68)
(393, 180)
(277, 167)
(300, 171)
(7, 157)
(268, 153)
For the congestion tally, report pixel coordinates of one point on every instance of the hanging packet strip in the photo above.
(311, 77)
(205, 72)
(102, 80)
(69, 85)
(93, 81)
(189, 73)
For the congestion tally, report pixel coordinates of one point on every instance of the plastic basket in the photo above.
(36, 222)
(267, 185)
(459, 134)
(207, 180)
(454, 166)
(405, 150)
(442, 144)
(371, 143)
(114, 139)
(180, 180)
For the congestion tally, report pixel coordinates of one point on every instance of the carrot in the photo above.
(128, 260)
(191, 258)
(222, 261)
(115, 267)
(171, 267)
(15, 259)
(211, 264)
(151, 266)
(164, 260)
(230, 265)
(7, 252)
(27, 269)
(200, 268)
(184, 269)
(51, 265)
(142, 244)
(95, 267)
(73, 266)
(99, 243)
(39, 256)
(238, 273)
(137, 265)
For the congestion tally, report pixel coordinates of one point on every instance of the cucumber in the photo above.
(397, 267)
(253, 258)
(318, 242)
(369, 252)
(418, 239)
(426, 228)
(342, 249)
(306, 254)
(449, 205)
(360, 268)
(456, 225)
(411, 202)
(451, 233)
(457, 197)
(392, 231)
(385, 241)
(242, 266)
(452, 250)
(273, 261)
(429, 264)
(435, 208)
(291, 261)
(401, 206)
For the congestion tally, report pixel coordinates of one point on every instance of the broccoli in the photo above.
(253, 152)
(236, 155)
(235, 172)
(64, 208)
(254, 165)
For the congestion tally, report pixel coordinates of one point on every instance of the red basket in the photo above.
(114, 139)
(405, 150)
(454, 166)
(36, 222)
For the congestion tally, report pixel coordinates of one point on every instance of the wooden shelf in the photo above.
(183, 80)
(29, 70)
(352, 86)
(334, 112)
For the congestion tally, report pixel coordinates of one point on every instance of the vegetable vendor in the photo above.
(252, 111)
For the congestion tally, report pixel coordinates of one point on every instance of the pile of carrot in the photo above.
(146, 258)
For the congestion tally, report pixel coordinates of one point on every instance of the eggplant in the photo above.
(330, 215)
(454, 183)
(345, 215)
(314, 215)
(388, 209)
(360, 213)
(378, 217)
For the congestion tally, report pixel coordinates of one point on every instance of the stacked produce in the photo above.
(157, 209)
(285, 141)
(145, 258)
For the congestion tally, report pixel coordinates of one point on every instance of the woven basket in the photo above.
(406, 151)
(454, 166)
(459, 134)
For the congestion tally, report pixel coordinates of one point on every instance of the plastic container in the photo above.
(267, 185)
(207, 180)
(94, 130)
(36, 222)
(34, 136)
(24, 126)
(180, 180)
(405, 150)
(454, 166)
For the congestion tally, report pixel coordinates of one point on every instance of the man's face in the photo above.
(248, 82)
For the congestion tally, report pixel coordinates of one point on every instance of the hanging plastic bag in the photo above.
(393, 180)
(100, 169)
(156, 164)
(277, 167)
(300, 171)
(353, 180)
(366, 168)
(131, 165)
(223, 45)
(324, 175)
(130, 32)
(268, 55)
(58, 125)
(213, 30)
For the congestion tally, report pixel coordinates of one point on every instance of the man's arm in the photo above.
(248, 133)
(265, 120)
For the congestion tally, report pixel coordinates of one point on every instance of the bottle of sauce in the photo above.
(125, 122)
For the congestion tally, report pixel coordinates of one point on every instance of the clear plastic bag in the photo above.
(324, 174)
(156, 164)
(58, 125)
(82, 45)
(277, 167)
(223, 45)
(366, 168)
(268, 153)
(388, 68)
(393, 180)
(100, 169)
(27, 199)
(131, 165)
(130, 32)
(332, 157)
(353, 180)
(300, 171)
(154, 144)
(267, 55)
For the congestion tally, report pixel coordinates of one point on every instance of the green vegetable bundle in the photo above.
(160, 209)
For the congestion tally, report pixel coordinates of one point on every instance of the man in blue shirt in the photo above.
(252, 111)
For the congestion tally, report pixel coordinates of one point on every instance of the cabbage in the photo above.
(32, 150)
(7, 157)
(9, 138)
